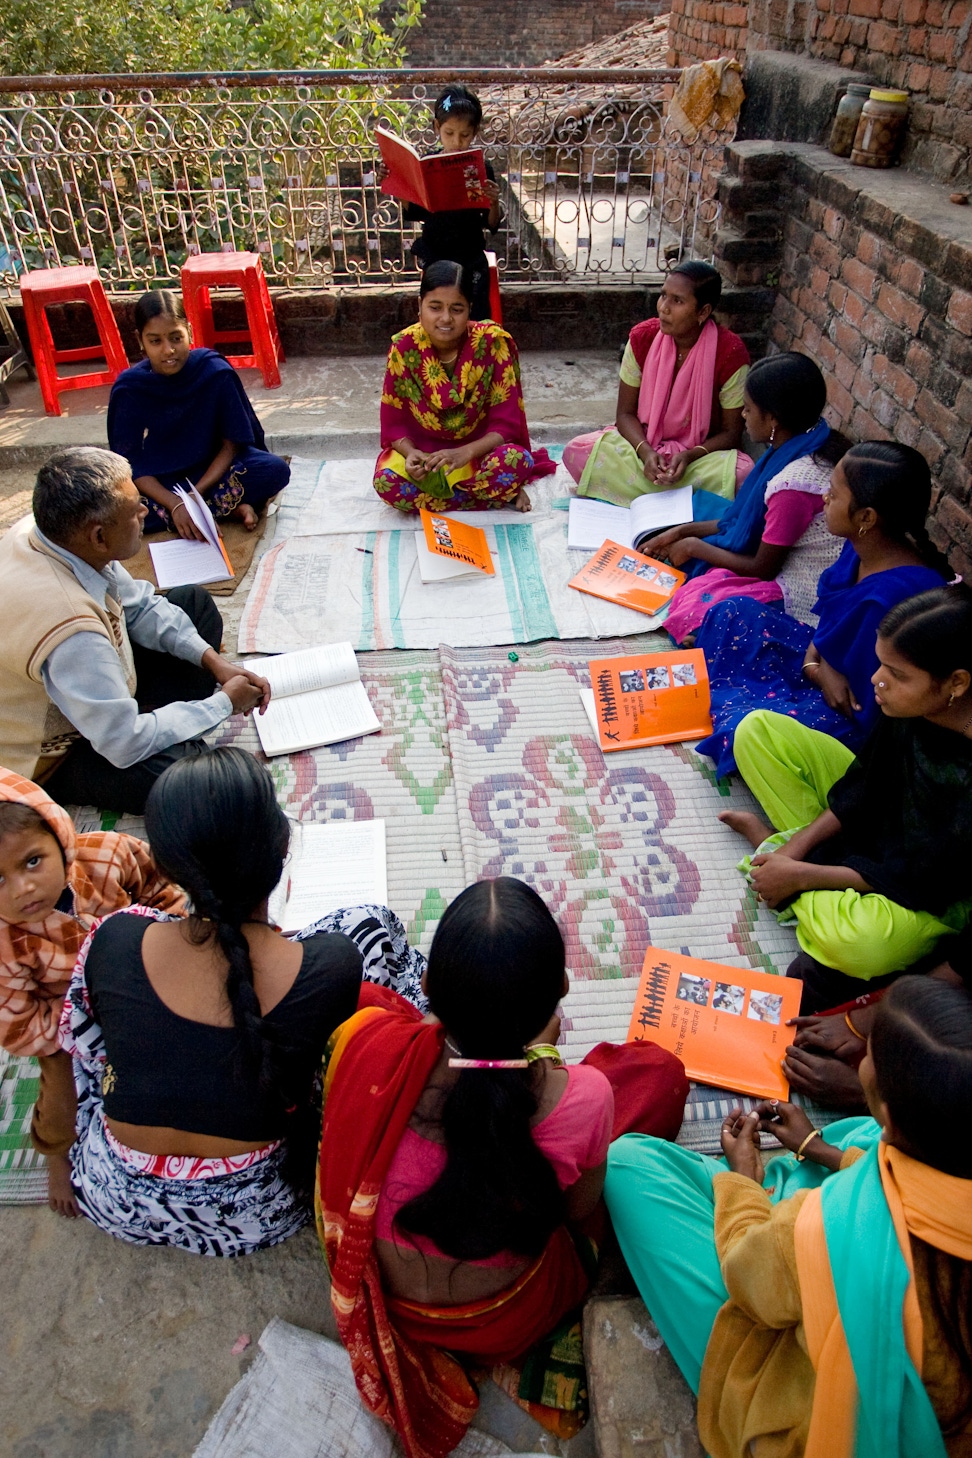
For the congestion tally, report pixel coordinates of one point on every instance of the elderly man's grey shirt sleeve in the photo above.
(154, 622)
(83, 676)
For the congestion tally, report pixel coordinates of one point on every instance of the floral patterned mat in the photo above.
(487, 765)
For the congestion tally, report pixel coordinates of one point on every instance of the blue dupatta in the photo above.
(168, 424)
(741, 527)
(895, 1418)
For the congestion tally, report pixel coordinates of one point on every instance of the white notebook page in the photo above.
(326, 716)
(310, 668)
(184, 563)
(659, 509)
(331, 865)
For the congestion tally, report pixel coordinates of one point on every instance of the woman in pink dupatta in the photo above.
(679, 417)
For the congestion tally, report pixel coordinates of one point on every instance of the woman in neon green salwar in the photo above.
(872, 855)
(809, 1302)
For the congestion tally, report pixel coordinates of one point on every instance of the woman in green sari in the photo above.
(820, 1302)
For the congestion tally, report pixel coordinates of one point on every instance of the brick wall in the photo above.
(873, 280)
(924, 46)
(517, 32)
(701, 30)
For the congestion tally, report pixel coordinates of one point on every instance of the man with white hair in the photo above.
(103, 684)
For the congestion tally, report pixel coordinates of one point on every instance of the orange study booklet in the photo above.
(653, 698)
(444, 182)
(457, 541)
(622, 575)
(727, 1026)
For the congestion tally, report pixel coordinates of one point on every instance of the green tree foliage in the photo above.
(93, 36)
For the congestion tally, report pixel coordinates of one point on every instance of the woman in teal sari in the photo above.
(819, 1303)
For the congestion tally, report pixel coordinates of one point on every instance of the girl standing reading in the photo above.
(458, 234)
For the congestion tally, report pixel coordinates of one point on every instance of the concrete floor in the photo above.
(323, 402)
(112, 1351)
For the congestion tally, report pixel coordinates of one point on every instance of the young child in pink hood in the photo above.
(54, 884)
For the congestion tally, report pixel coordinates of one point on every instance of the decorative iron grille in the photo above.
(133, 173)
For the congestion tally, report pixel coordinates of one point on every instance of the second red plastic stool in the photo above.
(242, 271)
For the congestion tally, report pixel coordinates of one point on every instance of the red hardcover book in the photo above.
(444, 182)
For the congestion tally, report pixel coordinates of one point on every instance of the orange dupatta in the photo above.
(933, 1206)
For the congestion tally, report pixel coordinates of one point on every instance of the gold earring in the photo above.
(862, 531)
(772, 435)
(951, 699)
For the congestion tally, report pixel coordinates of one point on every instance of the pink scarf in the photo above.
(676, 410)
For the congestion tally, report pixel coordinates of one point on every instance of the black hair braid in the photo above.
(928, 552)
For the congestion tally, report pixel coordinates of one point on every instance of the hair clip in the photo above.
(488, 1063)
(445, 104)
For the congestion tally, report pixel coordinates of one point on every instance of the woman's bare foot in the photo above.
(60, 1192)
(744, 822)
(523, 502)
(245, 513)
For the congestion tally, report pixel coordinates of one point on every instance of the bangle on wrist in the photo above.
(857, 1034)
(703, 449)
(814, 1134)
(638, 448)
(535, 1051)
(811, 664)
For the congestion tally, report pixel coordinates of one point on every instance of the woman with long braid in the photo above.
(196, 1042)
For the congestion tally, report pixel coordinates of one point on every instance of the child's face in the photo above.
(31, 875)
(166, 342)
(455, 134)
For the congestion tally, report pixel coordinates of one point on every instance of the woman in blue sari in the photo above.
(761, 658)
(182, 415)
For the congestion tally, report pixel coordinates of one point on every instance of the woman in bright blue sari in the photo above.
(760, 658)
(182, 415)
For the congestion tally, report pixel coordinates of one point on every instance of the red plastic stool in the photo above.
(242, 271)
(42, 287)
(495, 307)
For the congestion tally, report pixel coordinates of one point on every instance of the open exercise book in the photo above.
(620, 574)
(185, 563)
(318, 698)
(444, 182)
(648, 698)
(727, 1025)
(590, 523)
(334, 864)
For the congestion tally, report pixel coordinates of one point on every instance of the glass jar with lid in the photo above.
(846, 117)
(881, 129)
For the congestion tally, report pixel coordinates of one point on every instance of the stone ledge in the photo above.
(792, 97)
(641, 1406)
(908, 211)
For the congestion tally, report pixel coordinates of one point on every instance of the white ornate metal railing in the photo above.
(132, 173)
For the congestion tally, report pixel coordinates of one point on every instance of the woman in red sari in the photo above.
(453, 430)
(457, 1150)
